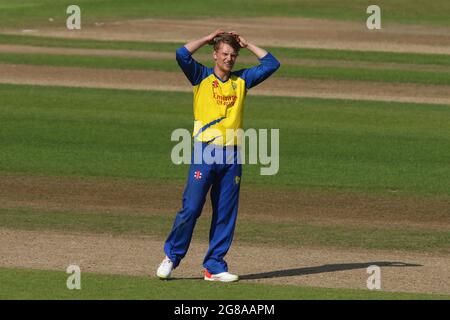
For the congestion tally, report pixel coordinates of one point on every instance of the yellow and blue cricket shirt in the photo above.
(218, 104)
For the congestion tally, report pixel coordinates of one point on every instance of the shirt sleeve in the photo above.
(257, 74)
(194, 71)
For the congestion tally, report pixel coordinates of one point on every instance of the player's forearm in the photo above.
(196, 44)
(257, 51)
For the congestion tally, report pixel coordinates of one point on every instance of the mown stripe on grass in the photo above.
(37, 12)
(365, 74)
(90, 61)
(281, 52)
(249, 230)
(206, 58)
(30, 284)
(291, 71)
(55, 42)
(367, 56)
(331, 144)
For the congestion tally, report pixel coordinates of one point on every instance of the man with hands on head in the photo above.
(219, 95)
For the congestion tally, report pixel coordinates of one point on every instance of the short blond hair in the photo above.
(228, 39)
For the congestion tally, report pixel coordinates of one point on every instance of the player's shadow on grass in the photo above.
(313, 270)
(323, 269)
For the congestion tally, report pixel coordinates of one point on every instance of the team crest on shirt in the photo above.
(237, 179)
(234, 85)
(197, 175)
(215, 84)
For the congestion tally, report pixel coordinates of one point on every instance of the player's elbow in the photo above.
(179, 54)
(273, 64)
(276, 65)
(182, 53)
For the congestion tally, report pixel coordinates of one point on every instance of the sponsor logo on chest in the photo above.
(221, 99)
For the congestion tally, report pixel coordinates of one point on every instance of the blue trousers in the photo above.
(223, 178)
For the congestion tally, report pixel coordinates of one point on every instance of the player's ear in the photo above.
(214, 55)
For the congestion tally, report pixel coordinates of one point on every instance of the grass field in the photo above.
(342, 145)
(292, 53)
(367, 180)
(290, 71)
(249, 230)
(36, 12)
(52, 285)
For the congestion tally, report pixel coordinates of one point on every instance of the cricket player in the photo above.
(219, 95)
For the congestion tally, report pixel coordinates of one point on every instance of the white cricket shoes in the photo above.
(165, 269)
(222, 277)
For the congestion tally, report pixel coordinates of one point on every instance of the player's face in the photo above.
(225, 57)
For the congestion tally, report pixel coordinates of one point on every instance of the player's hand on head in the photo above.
(242, 42)
(234, 34)
(214, 34)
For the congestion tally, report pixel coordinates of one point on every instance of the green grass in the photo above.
(293, 53)
(362, 74)
(249, 230)
(50, 285)
(324, 144)
(54, 42)
(91, 62)
(363, 56)
(291, 71)
(32, 13)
